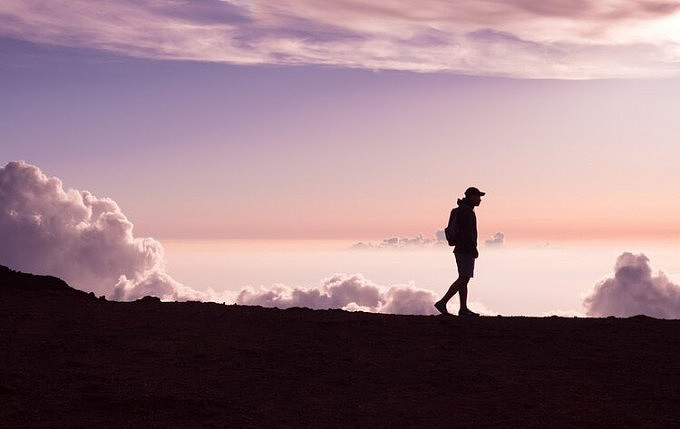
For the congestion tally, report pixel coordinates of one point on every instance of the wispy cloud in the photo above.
(520, 38)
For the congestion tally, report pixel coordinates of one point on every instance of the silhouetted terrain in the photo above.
(68, 359)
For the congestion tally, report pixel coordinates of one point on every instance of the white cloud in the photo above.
(543, 39)
(634, 290)
(562, 313)
(89, 242)
(421, 241)
(83, 239)
(348, 292)
(404, 242)
(496, 241)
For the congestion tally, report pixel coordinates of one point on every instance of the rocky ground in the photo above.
(69, 359)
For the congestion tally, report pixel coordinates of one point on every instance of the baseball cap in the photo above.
(471, 191)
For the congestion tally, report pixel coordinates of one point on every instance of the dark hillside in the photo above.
(68, 359)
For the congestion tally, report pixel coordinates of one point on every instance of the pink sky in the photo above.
(245, 120)
(520, 38)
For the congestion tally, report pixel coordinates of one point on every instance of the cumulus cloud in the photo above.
(495, 241)
(89, 242)
(403, 242)
(420, 241)
(348, 292)
(519, 38)
(634, 290)
(85, 240)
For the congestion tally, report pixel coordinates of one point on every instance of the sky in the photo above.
(89, 242)
(289, 120)
(212, 119)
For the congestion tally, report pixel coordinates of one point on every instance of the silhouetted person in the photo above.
(465, 250)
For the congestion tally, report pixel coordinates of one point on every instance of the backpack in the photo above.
(451, 230)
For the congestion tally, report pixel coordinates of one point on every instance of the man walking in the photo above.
(465, 250)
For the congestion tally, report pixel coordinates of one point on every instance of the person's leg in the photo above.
(463, 291)
(465, 264)
(466, 269)
(459, 285)
(455, 287)
(464, 310)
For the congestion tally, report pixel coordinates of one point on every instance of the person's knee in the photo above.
(463, 280)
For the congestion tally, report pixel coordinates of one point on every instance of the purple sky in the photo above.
(244, 120)
(519, 38)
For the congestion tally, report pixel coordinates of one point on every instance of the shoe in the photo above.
(467, 312)
(441, 307)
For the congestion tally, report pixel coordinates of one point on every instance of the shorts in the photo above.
(466, 264)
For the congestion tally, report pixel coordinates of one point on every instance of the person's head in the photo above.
(474, 195)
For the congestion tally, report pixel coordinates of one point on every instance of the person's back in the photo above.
(467, 228)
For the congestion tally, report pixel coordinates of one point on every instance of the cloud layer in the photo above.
(421, 241)
(404, 242)
(349, 292)
(89, 242)
(540, 39)
(634, 290)
(85, 240)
